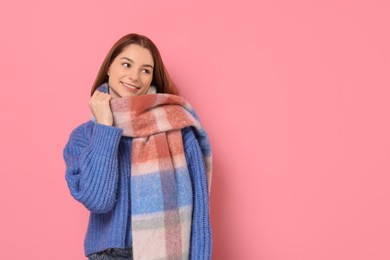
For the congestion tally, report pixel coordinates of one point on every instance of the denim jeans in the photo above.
(113, 253)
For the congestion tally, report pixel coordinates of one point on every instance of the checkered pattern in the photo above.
(161, 188)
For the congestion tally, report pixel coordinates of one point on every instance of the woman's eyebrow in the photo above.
(125, 58)
(130, 60)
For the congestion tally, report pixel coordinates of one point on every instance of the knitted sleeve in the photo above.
(92, 165)
(201, 240)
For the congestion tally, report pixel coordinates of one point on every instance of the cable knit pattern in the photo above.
(200, 230)
(98, 176)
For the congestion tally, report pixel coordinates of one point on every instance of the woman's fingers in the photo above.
(99, 105)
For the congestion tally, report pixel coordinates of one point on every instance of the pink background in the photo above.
(294, 95)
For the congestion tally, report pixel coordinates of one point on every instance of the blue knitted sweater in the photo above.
(98, 176)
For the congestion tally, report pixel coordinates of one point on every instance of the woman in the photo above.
(142, 164)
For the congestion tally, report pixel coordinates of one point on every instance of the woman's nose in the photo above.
(132, 75)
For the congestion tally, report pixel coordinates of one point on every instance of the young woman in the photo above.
(142, 164)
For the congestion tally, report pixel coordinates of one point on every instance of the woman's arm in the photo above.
(201, 239)
(91, 157)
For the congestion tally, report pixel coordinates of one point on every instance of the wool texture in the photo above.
(167, 201)
(161, 189)
(100, 175)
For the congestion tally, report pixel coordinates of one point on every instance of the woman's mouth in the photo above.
(130, 86)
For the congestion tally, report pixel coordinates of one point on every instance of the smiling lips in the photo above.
(127, 85)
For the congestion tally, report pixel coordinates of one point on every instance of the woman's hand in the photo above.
(99, 104)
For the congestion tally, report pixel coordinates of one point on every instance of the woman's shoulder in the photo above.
(188, 135)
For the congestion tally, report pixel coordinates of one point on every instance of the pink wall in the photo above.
(294, 94)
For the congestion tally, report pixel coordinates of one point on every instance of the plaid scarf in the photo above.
(161, 188)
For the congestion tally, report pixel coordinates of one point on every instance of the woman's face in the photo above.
(131, 72)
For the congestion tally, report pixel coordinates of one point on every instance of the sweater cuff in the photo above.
(106, 137)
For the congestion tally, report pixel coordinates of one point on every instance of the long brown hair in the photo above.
(161, 79)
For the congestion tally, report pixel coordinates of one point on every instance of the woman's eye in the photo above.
(126, 64)
(146, 71)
